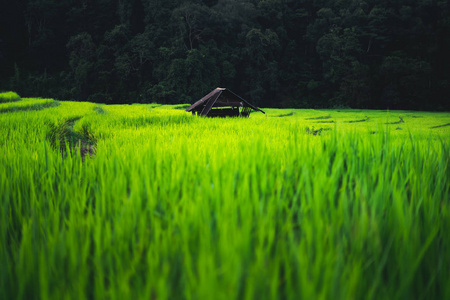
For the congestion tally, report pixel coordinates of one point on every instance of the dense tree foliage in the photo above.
(285, 53)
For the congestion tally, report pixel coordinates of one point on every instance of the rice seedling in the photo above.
(174, 206)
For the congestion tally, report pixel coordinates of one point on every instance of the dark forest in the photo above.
(275, 53)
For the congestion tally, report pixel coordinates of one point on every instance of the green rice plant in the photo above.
(9, 97)
(175, 206)
(99, 110)
(177, 106)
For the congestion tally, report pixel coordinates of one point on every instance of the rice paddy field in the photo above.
(150, 202)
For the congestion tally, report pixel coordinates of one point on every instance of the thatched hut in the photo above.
(222, 102)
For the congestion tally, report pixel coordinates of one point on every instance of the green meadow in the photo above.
(150, 202)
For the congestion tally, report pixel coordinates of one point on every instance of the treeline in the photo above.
(277, 53)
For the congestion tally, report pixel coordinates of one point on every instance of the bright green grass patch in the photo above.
(9, 97)
(27, 104)
(174, 206)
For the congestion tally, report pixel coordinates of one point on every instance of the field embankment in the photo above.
(9, 97)
(27, 104)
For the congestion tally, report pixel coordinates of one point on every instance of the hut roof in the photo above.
(219, 97)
